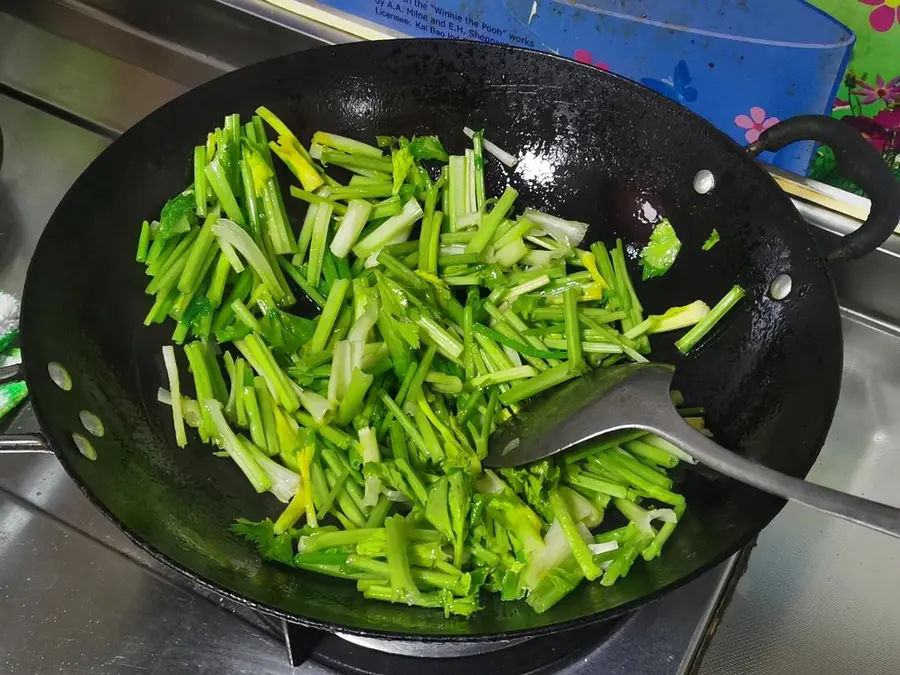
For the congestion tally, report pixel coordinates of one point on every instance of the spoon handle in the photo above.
(867, 513)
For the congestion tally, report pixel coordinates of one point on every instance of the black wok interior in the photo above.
(593, 146)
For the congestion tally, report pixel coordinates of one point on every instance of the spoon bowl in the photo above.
(636, 396)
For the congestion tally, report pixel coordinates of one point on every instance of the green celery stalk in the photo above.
(535, 385)
(573, 333)
(578, 545)
(555, 585)
(389, 229)
(447, 344)
(230, 234)
(254, 417)
(400, 271)
(357, 162)
(590, 482)
(191, 274)
(352, 402)
(168, 353)
(501, 376)
(690, 339)
(258, 355)
(318, 243)
(386, 208)
(239, 291)
(654, 550)
(314, 198)
(277, 227)
(406, 423)
(431, 445)
(196, 356)
(143, 243)
(625, 557)
(371, 191)
(399, 350)
(170, 273)
(344, 144)
(621, 458)
(379, 512)
(244, 316)
(251, 203)
(258, 478)
(433, 246)
(492, 220)
(655, 491)
(478, 149)
(299, 277)
(415, 386)
(650, 453)
(200, 186)
(219, 279)
(337, 488)
(487, 423)
(218, 181)
(351, 225)
(463, 607)
(455, 582)
(161, 306)
(324, 540)
(587, 347)
(329, 314)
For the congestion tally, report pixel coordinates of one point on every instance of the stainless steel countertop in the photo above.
(819, 595)
(57, 153)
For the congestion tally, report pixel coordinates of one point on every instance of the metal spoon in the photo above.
(637, 397)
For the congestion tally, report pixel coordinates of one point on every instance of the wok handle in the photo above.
(24, 444)
(857, 161)
(875, 516)
(20, 443)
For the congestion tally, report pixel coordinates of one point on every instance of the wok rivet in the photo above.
(60, 376)
(91, 422)
(84, 447)
(780, 287)
(704, 182)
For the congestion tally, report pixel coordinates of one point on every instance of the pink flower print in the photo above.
(884, 91)
(584, 56)
(885, 14)
(889, 119)
(872, 131)
(840, 104)
(755, 123)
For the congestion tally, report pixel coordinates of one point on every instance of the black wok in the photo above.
(593, 146)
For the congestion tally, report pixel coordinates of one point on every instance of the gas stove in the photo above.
(85, 599)
(77, 596)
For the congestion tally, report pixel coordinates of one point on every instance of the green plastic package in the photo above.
(11, 393)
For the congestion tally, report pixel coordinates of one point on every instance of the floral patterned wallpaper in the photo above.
(869, 97)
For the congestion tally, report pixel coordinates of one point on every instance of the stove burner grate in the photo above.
(355, 655)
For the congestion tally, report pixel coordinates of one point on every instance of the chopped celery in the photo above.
(660, 253)
(706, 324)
(712, 240)
(368, 411)
(389, 230)
(351, 225)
